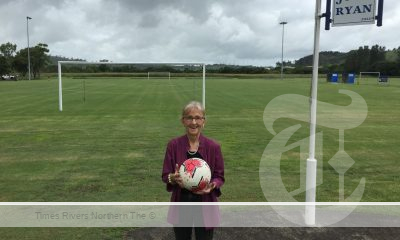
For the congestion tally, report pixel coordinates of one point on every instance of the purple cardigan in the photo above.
(211, 153)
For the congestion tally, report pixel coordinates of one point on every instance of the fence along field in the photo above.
(110, 147)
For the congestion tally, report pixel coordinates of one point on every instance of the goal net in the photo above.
(159, 75)
(105, 81)
(369, 77)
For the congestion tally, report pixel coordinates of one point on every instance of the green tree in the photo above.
(363, 56)
(7, 51)
(39, 60)
(352, 63)
(358, 60)
(4, 68)
(398, 55)
(20, 62)
(377, 54)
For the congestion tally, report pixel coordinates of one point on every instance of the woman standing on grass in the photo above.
(193, 145)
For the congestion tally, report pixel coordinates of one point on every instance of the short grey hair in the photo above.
(193, 105)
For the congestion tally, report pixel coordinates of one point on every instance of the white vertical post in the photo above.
(311, 173)
(29, 55)
(310, 191)
(204, 85)
(283, 34)
(59, 88)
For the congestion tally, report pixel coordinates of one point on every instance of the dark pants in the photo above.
(185, 233)
(191, 215)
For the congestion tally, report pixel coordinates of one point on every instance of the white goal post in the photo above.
(60, 63)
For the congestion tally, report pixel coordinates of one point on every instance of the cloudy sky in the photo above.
(210, 31)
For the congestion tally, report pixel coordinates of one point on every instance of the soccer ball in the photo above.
(195, 173)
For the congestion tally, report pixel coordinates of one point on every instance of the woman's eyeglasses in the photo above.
(196, 118)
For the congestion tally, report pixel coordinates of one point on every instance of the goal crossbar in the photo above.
(177, 64)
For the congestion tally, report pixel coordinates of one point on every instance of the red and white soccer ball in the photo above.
(195, 173)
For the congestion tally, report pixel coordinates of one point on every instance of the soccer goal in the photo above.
(184, 66)
(159, 75)
(369, 76)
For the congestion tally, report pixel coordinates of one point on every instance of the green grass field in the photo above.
(109, 142)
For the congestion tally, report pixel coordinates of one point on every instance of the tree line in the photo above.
(365, 58)
(13, 61)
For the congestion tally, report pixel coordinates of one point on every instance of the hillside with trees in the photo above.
(364, 59)
(325, 59)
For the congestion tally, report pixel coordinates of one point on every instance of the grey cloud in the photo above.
(229, 31)
(149, 21)
(196, 9)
